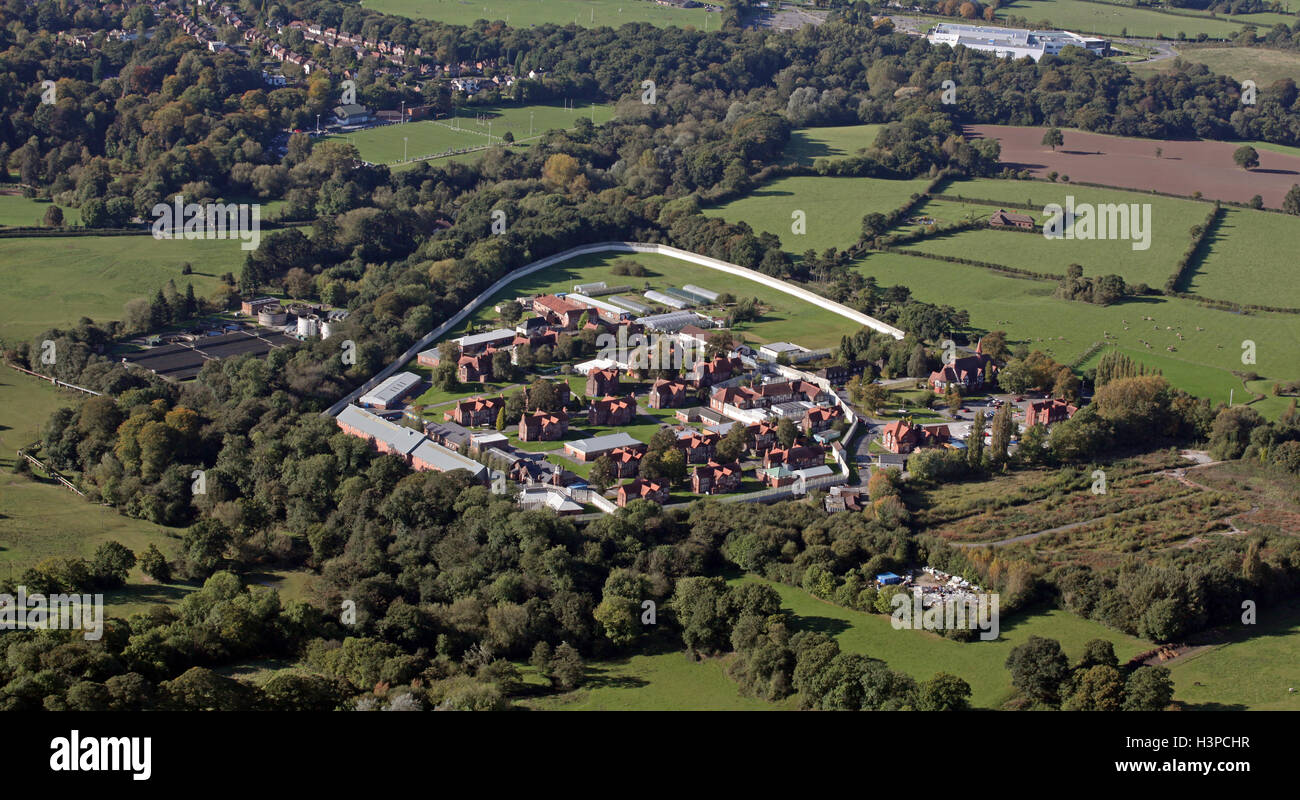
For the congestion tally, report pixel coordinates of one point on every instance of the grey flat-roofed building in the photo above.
(602, 444)
(391, 390)
(435, 456)
(478, 340)
(389, 436)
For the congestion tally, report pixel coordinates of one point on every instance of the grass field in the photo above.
(470, 129)
(527, 13)
(809, 144)
(39, 518)
(1115, 20)
(20, 212)
(1249, 253)
(1025, 309)
(786, 319)
(94, 276)
(834, 208)
(1170, 222)
(921, 653)
(666, 681)
(1239, 63)
(1253, 670)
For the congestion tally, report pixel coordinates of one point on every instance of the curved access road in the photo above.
(608, 247)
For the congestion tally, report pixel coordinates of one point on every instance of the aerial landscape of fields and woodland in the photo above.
(650, 355)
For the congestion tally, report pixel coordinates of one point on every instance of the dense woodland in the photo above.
(453, 587)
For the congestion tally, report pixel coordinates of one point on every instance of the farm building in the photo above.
(607, 310)
(672, 301)
(705, 295)
(630, 305)
(672, 321)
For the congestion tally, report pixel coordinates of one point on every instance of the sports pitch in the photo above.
(468, 134)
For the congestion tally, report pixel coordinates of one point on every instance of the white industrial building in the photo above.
(1012, 42)
(655, 296)
(388, 393)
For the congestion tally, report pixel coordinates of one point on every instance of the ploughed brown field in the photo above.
(1184, 167)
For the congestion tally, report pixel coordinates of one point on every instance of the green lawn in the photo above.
(1201, 364)
(1239, 63)
(1248, 258)
(833, 208)
(1114, 20)
(21, 212)
(470, 129)
(809, 144)
(667, 681)
(94, 276)
(1254, 670)
(39, 518)
(527, 13)
(786, 318)
(921, 653)
(1171, 221)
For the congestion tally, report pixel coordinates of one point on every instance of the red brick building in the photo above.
(718, 370)
(647, 490)
(1006, 219)
(715, 478)
(476, 411)
(667, 394)
(612, 411)
(543, 426)
(475, 369)
(797, 457)
(561, 311)
(1047, 412)
(627, 461)
(904, 437)
(820, 418)
(698, 447)
(602, 382)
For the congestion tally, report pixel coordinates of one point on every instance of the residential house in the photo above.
(626, 461)
(476, 411)
(543, 426)
(1048, 412)
(720, 369)
(762, 437)
(642, 489)
(667, 394)
(698, 447)
(796, 457)
(904, 437)
(820, 418)
(715, 478)
(1006, 219)
(611, 411)
(475, 369)
(602, 382)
